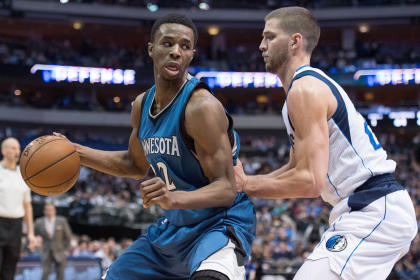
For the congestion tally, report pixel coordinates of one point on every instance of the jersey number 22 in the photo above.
(163, 169)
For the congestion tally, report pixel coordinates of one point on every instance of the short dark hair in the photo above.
(174, 18)
(298, 20)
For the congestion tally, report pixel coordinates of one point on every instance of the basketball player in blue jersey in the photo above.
(335, 155)
(182, 132)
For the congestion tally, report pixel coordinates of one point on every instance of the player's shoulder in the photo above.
(202, 99)
(136, 108)
(139, 99)
(308, 88)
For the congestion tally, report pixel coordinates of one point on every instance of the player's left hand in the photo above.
(240, 176)
(155, 191)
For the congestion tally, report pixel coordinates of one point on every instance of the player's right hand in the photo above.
(155, 191)
(75, 145)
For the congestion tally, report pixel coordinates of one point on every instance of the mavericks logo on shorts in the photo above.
(336, 243)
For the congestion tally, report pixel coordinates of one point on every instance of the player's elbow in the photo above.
(132, 171)
(314, 192)
(314, 186)
(139, 174)
(229, 196)
(309, 183)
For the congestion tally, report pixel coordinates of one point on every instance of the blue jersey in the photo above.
(169, 150)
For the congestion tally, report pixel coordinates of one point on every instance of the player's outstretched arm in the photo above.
(131, 163)
(206, 123)
(241, 179)
(309, 109)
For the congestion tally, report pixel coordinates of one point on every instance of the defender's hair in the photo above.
(174, 18)
(298, 20)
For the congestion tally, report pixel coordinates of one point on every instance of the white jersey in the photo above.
(354, 152)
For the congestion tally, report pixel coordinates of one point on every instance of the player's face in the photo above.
(172, 50)
(274, 46)
(11, 151)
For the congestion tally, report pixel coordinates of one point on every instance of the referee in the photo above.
(15, 204)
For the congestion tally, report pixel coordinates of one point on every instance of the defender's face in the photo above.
(172, 50)
(274, 45)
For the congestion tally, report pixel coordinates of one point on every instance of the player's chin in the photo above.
(172, 78)
(269, 68)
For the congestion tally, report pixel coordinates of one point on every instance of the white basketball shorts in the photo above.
(226, 262)
(365, 244)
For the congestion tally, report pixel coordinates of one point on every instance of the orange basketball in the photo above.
(50, 165)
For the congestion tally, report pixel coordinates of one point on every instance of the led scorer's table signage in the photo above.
(389, 76)
(79, 74)
(239, 79)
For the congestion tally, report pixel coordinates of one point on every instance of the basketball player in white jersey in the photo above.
(335, 155)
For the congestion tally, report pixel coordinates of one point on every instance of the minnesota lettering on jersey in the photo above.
(161, 145)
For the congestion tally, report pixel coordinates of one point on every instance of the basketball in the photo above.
(50, 165)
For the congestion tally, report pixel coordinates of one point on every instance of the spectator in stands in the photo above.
(56, 236)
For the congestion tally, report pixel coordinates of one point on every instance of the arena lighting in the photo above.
(64, 1)
(213, 30)
(389, 76)
(399, 117)
(204, 6)
(17, 92)
(79, 74)
(152, 7)
(374, 117)
(77, 25)
(239, 79)
(364, 28)
(418, 118)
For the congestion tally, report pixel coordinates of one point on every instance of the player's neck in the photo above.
(8, 164)
(288, 70)
(165, 91)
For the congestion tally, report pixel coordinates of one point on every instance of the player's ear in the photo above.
(192, 57)
(296, 40)
(150, 49)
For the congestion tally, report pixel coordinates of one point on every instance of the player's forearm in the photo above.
(280, 171)
(115, 163)
(292, 183)
(217, 194)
